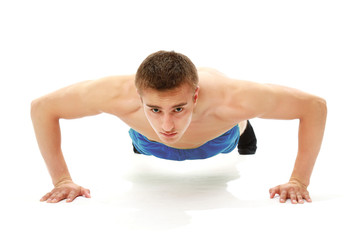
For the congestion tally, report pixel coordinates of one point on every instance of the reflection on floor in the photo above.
(167, 199)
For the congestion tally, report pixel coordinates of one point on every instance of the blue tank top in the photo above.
(222, 144)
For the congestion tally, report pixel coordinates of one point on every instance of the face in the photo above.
(170, 112)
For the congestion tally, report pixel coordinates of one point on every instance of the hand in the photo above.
(65, 190)
(294, 190)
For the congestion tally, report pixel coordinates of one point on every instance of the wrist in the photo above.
(62, 181)
(303, 183)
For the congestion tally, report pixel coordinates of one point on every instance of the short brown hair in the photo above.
(165, 70)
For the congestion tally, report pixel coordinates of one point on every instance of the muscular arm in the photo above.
(75, 101)
(278, 102)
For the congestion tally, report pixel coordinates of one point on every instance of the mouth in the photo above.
(169, 135)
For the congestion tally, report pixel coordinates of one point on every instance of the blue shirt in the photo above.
(222, 144)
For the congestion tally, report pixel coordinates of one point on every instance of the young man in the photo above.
(178, 112)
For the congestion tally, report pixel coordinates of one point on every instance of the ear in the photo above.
(196, 94)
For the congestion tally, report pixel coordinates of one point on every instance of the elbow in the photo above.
(41, 108)
(323, 105)
(34, 107)
(37, 106)
(35, 103)
(315, 109)
(320, 106)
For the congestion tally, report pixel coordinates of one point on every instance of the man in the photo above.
(178, 112)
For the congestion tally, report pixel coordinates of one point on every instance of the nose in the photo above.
(167, 123)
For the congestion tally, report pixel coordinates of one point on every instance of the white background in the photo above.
(309, 45)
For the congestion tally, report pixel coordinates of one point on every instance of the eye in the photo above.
(179, 109)
(155, 110)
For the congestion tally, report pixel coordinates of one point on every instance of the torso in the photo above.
(208, 121)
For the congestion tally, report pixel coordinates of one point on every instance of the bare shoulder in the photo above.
(227, 96)
(109, 87)
(242, 100)
(214, 89)
(110, 94)
(211, 77)
(207, 73)
(234, 100)
(221, 87)
(114, 94)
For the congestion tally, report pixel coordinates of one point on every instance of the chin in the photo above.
(172, 139)
(165, 140)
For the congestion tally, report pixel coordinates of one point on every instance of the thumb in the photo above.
(274, 191)
(85, 192)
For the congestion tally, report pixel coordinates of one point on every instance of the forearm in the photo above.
(311, 131)
(47, 131)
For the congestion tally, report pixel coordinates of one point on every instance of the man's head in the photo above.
(167, 83)
(163, 71)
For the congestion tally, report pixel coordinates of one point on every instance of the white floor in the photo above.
(312, 45)
(138, 196)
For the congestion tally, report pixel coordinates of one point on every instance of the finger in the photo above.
(283, 196)
(57, 197)
(85, 192)
(293, 197)
(52, 195)
(273, 191)
(72, 195)
(272, 194)
(51, 198)
(307, 198)
(300, 199)
(45, 197)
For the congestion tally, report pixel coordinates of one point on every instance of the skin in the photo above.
(180, 118)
